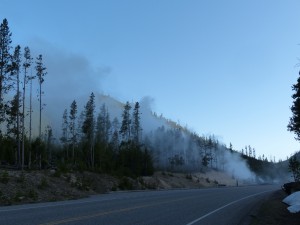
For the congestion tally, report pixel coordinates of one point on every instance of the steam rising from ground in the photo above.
(71, 77)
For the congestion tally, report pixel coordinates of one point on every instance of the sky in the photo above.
(218, 67)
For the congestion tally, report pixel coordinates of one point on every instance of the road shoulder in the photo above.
(274, 211)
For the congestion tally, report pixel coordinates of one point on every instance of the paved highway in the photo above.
(216, 206)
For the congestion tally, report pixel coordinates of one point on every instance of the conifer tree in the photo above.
(15, 72)
(126, 122)
(72, 127)
(294, 124)
(5, 56)
(100, 128)
(88, 126)
(294, 167)
(26, 65)
(65, 131)
(12, 114)
(40, 72)
(115, 134)
(136, 126)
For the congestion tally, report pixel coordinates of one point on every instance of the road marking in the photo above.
(72, 219)
(224, 206)
(50, 205)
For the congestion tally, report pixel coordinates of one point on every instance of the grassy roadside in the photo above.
(274, 211)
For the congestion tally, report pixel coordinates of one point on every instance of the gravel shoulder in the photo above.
(274, 211)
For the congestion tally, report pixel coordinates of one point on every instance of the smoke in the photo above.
(69, 77)
(178, 149)
(149, 122)
(72, 77)
(237, 167)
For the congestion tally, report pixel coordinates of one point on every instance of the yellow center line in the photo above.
(72, 219)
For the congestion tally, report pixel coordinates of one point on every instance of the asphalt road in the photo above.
(224, 206)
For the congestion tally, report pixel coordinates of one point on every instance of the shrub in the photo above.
(4, 178)
(43, 183)
(21, 178)
(189, 176)
(32, 194)
(125, 184)
(18, 196)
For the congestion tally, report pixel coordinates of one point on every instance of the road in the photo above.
(217, 206)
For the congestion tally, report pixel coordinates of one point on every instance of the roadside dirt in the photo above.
(17, 187)
(274, 211)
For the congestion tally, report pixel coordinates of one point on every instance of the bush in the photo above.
(32, 194)
(18, 196)
(4, 178)
(125, 184)
(84, 183)
(21, 178)
(57, 173)
(43, 183)
(189, 176)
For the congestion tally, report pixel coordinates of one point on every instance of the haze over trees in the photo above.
(90, 139)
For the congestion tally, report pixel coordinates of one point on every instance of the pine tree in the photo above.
(65, 131)
(103, 125)
(26, 65)
(15, 72)
(72, 127)
(126, 122)
(5, 56)
(115, 134)
(294, 167)
(230, 147)
(49, 138)
(40, 72)
(88, 126)
(294, 124)
(12, 114)
(250, 151)
(136, 126)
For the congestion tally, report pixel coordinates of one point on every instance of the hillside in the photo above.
(18, 187)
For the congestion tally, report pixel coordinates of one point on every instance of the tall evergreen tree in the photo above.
(15, 73)
(294, 167)
(115, 134)
(40, 72)
(294, 124)
(65, 131)
(26, 65)
(5, 46)
(88, 126)
(72, 127)
(103, 125)
(126, 123)
(136, 125)
(12, 114)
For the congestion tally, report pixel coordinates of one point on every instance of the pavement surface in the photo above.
(217, 206)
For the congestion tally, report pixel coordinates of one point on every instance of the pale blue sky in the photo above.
(220, 67)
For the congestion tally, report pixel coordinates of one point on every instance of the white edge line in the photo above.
(224, 206)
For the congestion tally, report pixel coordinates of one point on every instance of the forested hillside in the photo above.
(104, 135)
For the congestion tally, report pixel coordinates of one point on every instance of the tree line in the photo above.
(92, 140)
(15, 80)
(87, 141)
